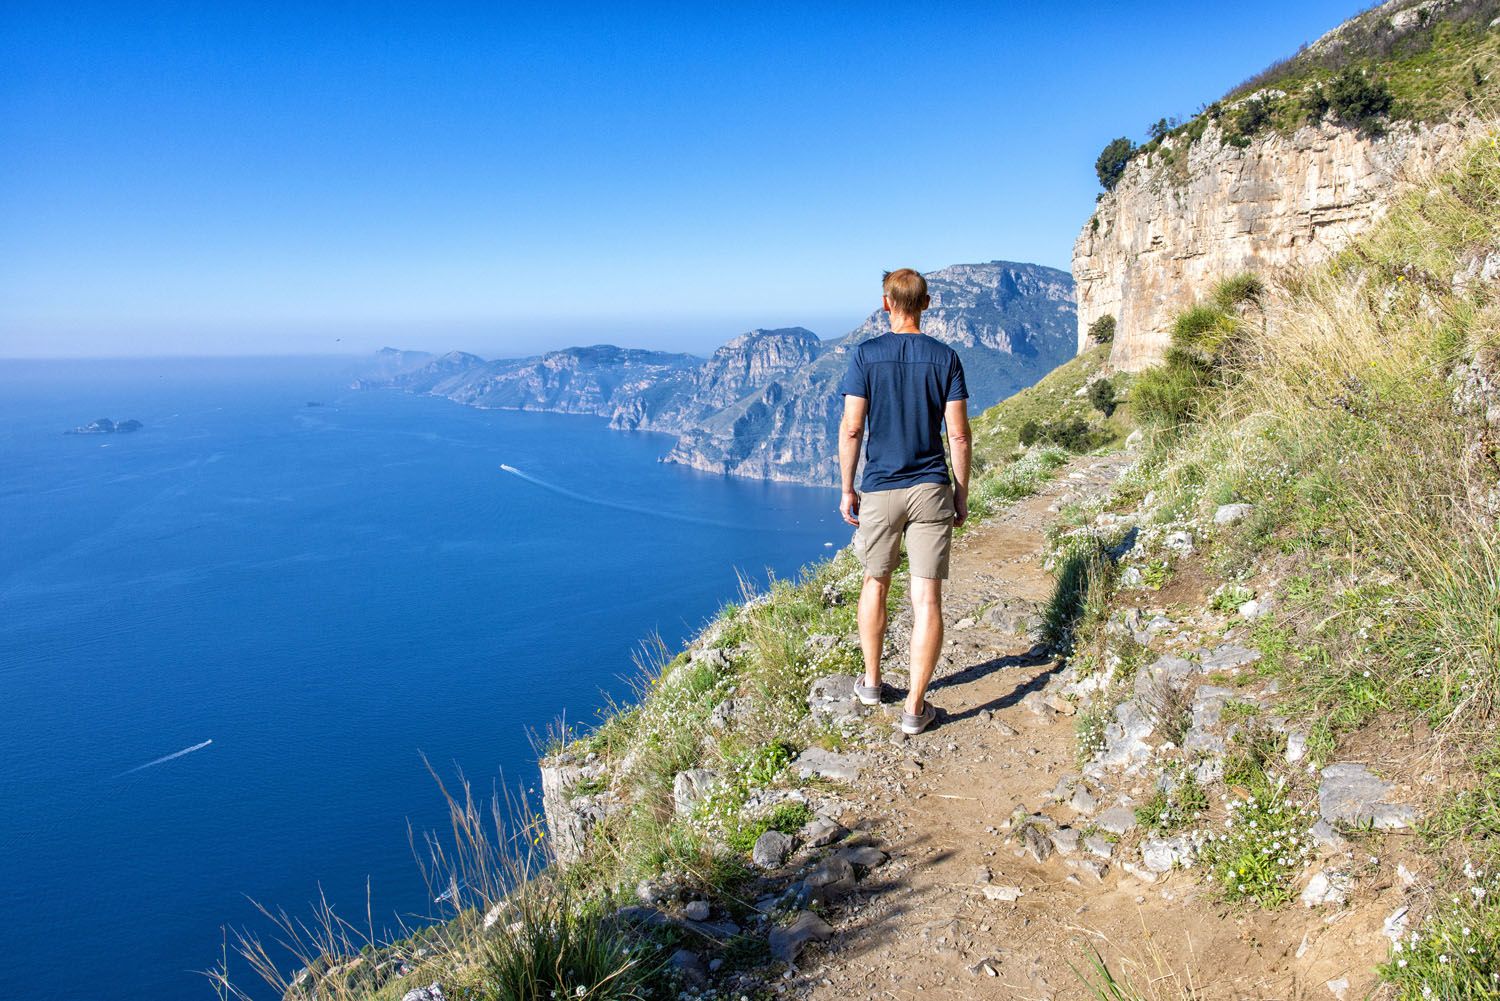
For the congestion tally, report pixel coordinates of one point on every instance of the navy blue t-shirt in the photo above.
(909, 379)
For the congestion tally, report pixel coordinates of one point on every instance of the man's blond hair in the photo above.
(907, 291)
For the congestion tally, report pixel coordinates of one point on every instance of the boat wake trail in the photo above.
(615, 505)
(164, 760)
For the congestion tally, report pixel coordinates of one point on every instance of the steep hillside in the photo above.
(1285, 170)
(766, 404)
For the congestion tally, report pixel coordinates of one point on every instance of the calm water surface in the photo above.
(324, 593)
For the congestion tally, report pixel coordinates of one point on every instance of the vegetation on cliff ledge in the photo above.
(1403, 62)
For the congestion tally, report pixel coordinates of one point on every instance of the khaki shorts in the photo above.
(923, 514)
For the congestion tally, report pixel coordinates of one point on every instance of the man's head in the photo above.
(905, 293)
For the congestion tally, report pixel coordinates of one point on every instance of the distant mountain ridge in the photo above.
(765, 404)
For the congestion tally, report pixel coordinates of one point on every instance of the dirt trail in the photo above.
(933, 922)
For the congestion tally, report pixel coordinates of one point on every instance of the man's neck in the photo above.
(903, 324)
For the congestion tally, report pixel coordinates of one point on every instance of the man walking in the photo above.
(904, 385)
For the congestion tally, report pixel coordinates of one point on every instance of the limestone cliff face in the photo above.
(1167, 232)
(1010, 323)
(742, 365)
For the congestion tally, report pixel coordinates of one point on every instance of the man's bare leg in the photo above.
(872, 618)
(926, 638)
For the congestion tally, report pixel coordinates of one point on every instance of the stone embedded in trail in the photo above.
(1296, 747)
(1229, 514)
(1166, 854)
(711, 657)
(828, 764)
(1124, 741)
(1014, 616)
(1170, 670)
(1227, 657)
(1326, 887)
(1038, 841)
(1065, 840)
(830, 879)
(1395, 923)
(432, 992)
(1324, 836)
(788, 942)
(1116, 820)
(689, 788)
(1009, 894)
(1083, 801)
(696, 910)
(731, 711)
(1060, 705)
(1063, 790)
(832, 698)
(1089, 866)
(1179, 542)
(821, 832)
(1036, 702)
(1353, 794)
(1099, 846)
(771, 849)
(1254, 608)
(867, 856)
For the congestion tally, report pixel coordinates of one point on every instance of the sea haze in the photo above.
(226, 639)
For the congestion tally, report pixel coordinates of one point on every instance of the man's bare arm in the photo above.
(851, 437)
(956, 416)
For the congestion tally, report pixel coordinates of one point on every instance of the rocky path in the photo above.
(974, 905)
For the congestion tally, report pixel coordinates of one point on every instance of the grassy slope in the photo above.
(1052, 398)
(1370, 532)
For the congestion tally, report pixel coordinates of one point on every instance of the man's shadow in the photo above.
(1036, 657)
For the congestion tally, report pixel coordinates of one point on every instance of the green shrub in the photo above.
(1172, 809)
(1263, 846)
(1072, 433)
(1244, 289)
(788, 818)
(1166, 396)
(1102, 330)
(1102, 396)
(1250, 118)
(1205, 339)
(1111, 163)
(1360, 100)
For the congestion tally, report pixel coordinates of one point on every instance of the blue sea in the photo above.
(306, 599)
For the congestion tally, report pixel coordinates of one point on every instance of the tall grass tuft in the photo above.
(506, 927)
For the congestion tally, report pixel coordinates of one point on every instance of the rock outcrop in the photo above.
(1180, 219)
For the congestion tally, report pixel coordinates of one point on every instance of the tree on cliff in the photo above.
(1111, 162)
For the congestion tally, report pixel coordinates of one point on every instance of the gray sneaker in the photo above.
(913, 725)
(869, 695)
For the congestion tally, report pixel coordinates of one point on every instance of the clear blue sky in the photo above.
(219, 178)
